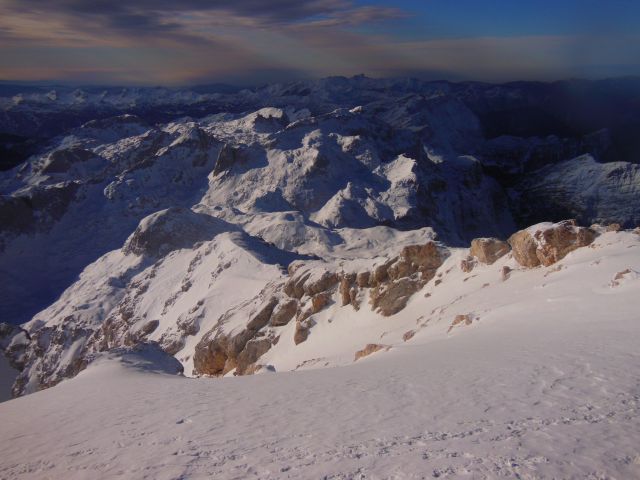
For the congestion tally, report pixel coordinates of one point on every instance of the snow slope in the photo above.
(542, 383)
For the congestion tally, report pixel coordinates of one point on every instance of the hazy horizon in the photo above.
(236, 86)
(249, 42)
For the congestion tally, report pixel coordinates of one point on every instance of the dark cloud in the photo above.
(153, 14)
(173, 20)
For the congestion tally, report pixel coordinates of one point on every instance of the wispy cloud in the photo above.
(254, 41)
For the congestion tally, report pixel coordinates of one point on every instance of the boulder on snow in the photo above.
(210, 356)
(467, 264)
(488, 250)
(301, 333)
(369, 349)
(459, 320)
(545, 244)
(524, 248)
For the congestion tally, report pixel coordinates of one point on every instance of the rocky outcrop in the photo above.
(59, 161)
(584, 189)
(284, 312)
(252, 351)
(545, 244)
(301, 332)
(394, 282)
(319, 301)
(230, 156)
(524, 248)
(459, 320)
(218, 353)
(320, 283)
(13, 344)
(347, 282)
(35, 209)
(488, 250)
(393, 296)
(369, 349)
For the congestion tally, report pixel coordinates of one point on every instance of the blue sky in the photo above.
(256, 41)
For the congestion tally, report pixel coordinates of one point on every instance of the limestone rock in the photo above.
(353, 298)
(505, 273)
(346, 281)
(251, 353)
(301, 333)
(488, 250)
(545, 244)
(13, 344)
(380, 273)
(466, 319)
(321, 283)
(295, 285)
(263, 316)
(556, 242)
(284, 312)
(524, 249)
(363, 279)
(369, 349)
(319, 301)
(467, 264)
(424, 259)
(408, 335)
(211, 356)
(392, 297)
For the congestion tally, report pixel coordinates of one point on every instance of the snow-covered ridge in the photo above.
(125, 231)
(532, 374)
(226, 303)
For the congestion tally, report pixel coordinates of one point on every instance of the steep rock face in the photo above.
(34, 209)
(583, 189)
(217, 353)
(394, 283)
(545, 244)
(284, 312)
(13, 344)
(118, 173)
(389, 298)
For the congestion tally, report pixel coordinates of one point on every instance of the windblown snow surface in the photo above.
(543, 383)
